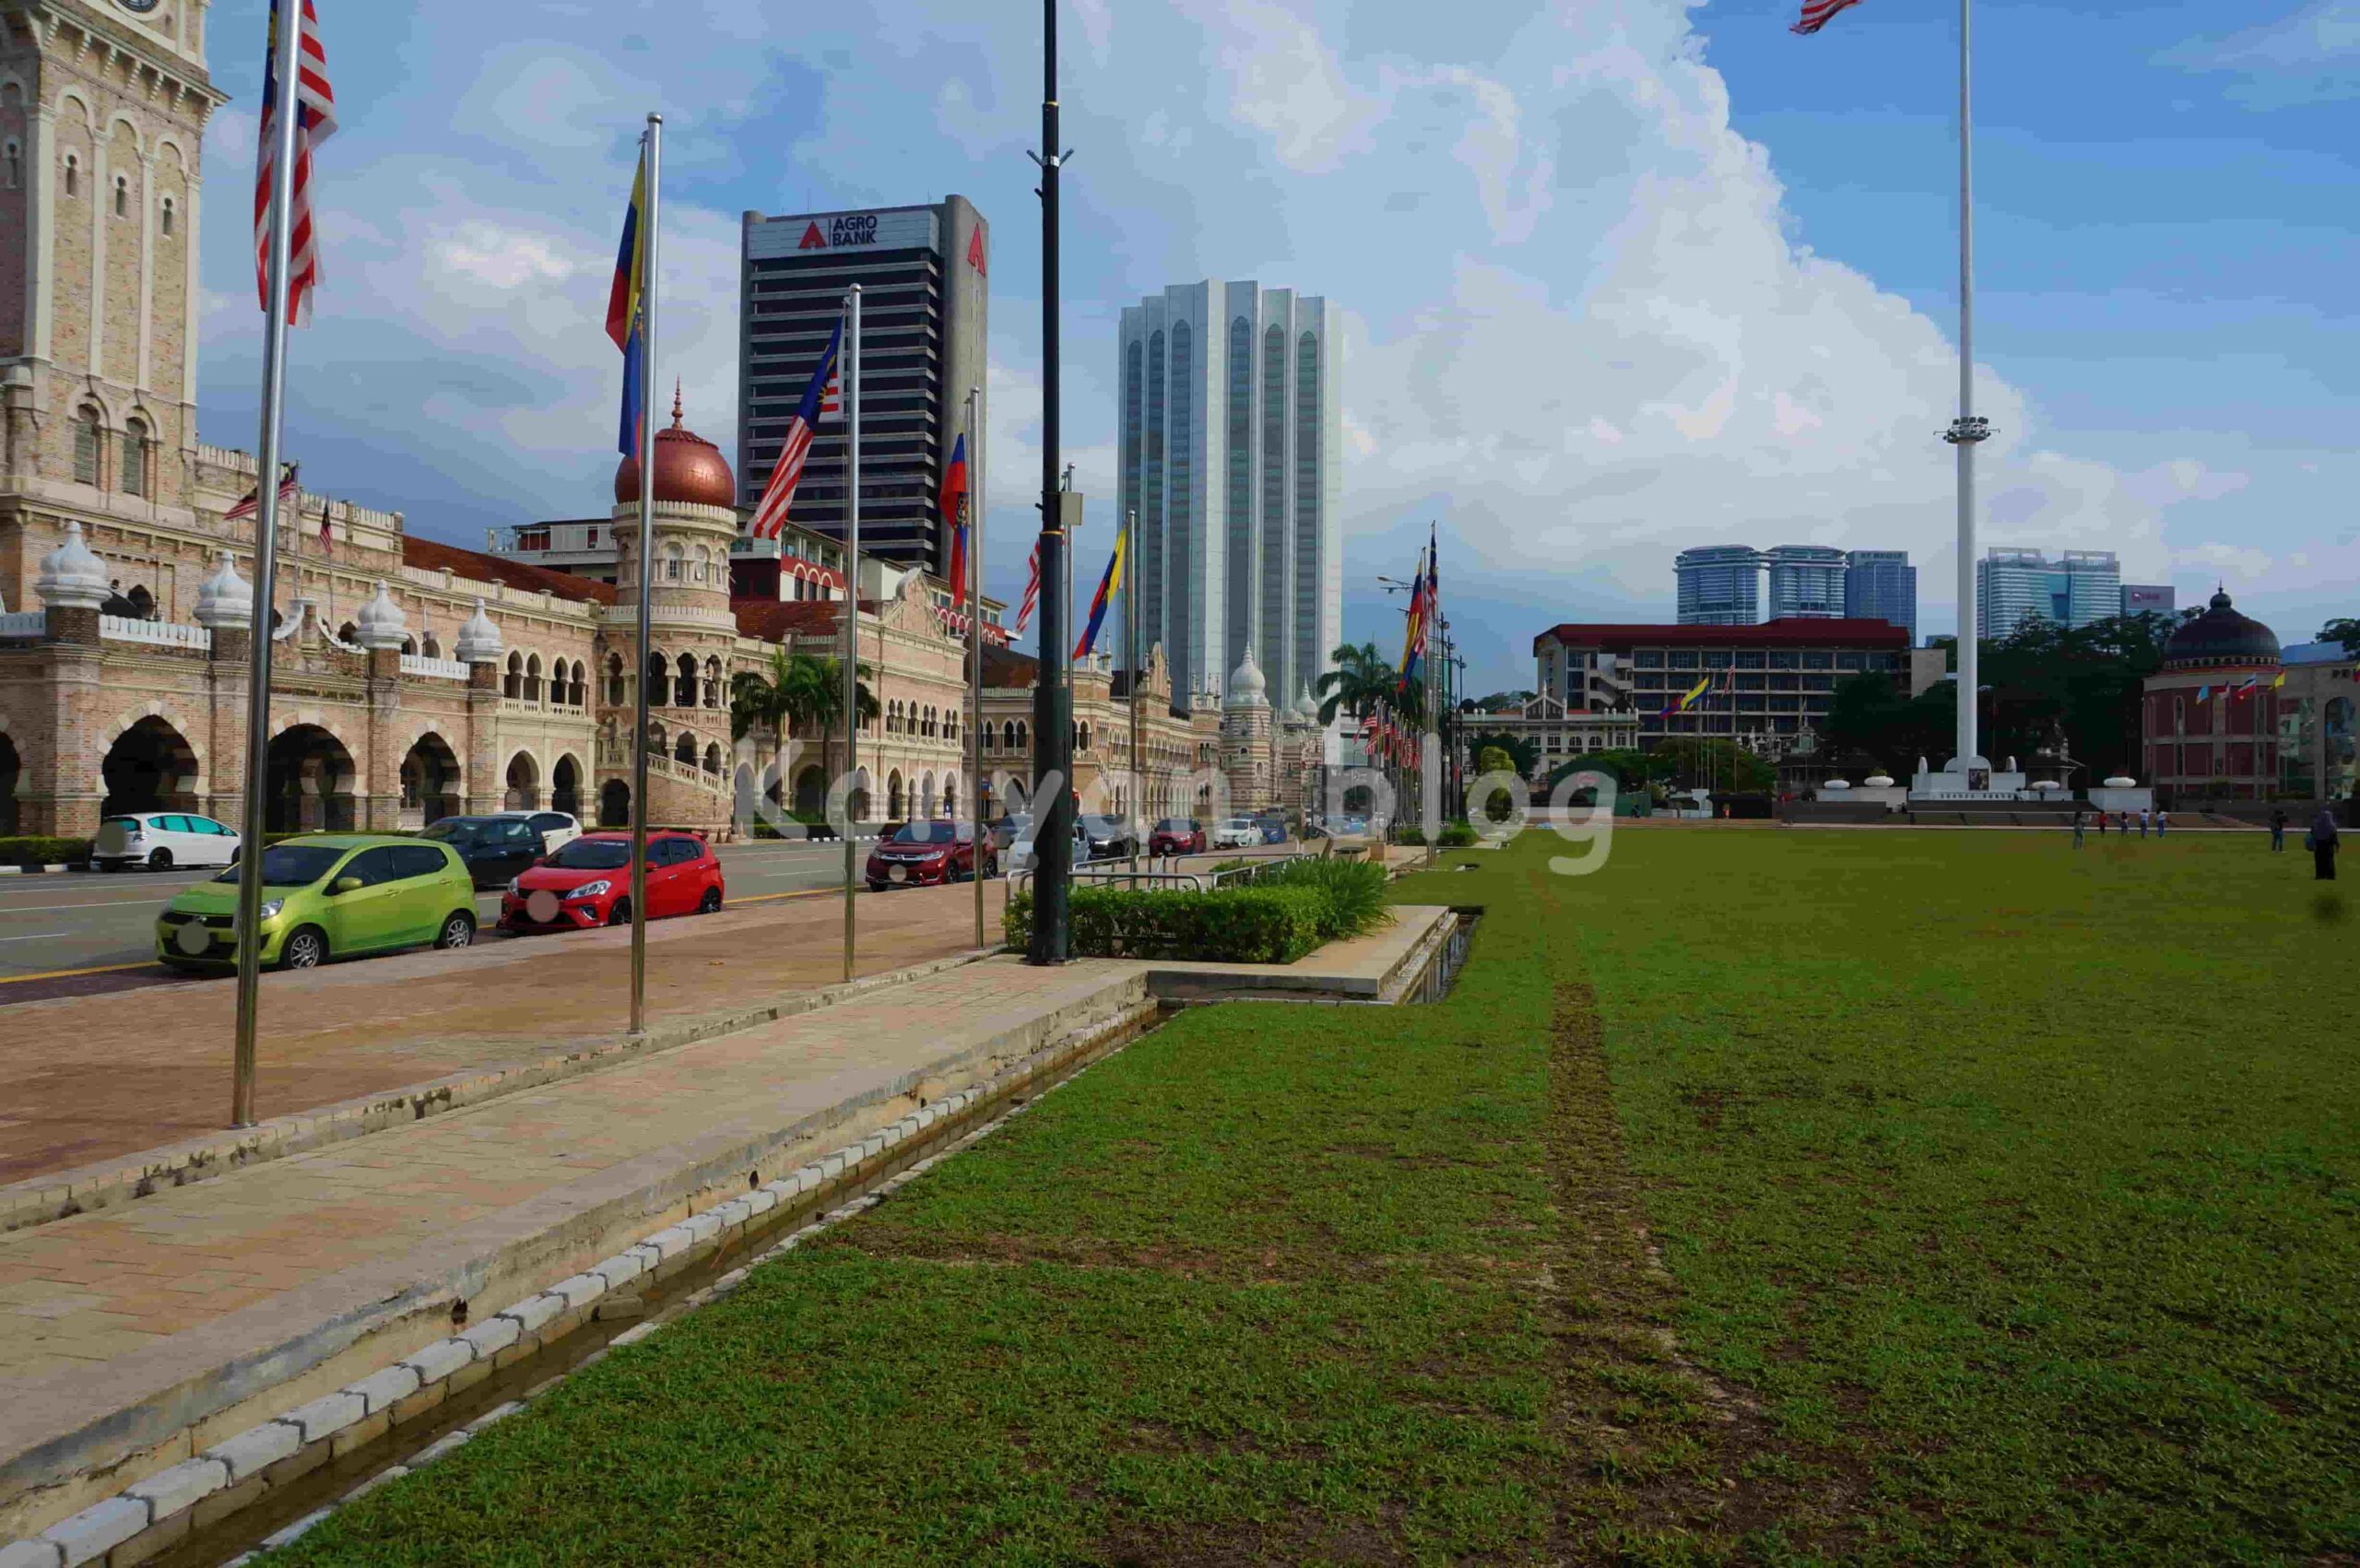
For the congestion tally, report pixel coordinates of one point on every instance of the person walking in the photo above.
(2077, 827)
(2278, 831)
(2162, 820)
(2323, 844)
(2144, 815)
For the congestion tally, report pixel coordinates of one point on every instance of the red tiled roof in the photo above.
(774, 621)
(430, 555)
(1008, 670)
(1794, 632)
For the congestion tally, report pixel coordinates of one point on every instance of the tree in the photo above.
(2344, 630)
(1523, 751)
(1709, 760)
(1359, 682)
(1503, 702)
(1493, 759)
(801, 690)
(1868, 714)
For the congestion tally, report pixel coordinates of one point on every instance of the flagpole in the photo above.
(974, 502)
(1131, 637)
(246, 931)
(1053, 693)
(852, 393)
(648, 290)
(1967, 431)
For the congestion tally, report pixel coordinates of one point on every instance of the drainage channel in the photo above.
(271, 1519)
(1441, 973)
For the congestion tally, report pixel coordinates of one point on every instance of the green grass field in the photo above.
(1767, 1196)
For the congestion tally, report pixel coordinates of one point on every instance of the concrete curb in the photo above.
(60, 1195)
(164, 1507)
(33, 871)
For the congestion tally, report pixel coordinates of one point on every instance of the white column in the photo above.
(41, 156)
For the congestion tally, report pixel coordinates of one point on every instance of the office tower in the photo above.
(923, 273)
(1808, 580)
(1720, 585)
(2016, 586)
(1882, 585)
(1230, 448)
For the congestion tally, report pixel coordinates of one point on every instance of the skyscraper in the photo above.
(923, 273)
(1882, 585)
(1720, 585)
(2016, 586)
(1806, 581)
(1229, 446)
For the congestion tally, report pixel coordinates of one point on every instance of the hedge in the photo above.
(1233, 925)
(33, 852)
(1460, 834)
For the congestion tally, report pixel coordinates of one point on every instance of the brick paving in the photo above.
(85, 1078)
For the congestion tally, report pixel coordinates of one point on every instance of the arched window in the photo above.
(659, 680)
(135, 457)
(73, 177)
(684, 752)
(713, 683)
(684, 689)
(409, 645)
(166, 217)
(347, 634)
(513, 685)
(430, 648)
(143, 603)
(672, 557)
(615, 694)
(713, 758)
(577, 690)
(533, 678)
(122, 197)
(86, 446)
(12, 165)
(704, 563)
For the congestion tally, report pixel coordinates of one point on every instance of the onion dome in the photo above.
(2220, 636)
(1837, 785)
(71, 576)
(688, 468)
(1306, 707)
(1246, 687)
(1879, 781)
(380, 624)
(2120, 781)
(479, 641)
(225, 600)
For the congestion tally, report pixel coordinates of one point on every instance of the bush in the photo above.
(1352, 893)
(1410, 833)
(1460, 834)
(1236, 925)
(33, 852)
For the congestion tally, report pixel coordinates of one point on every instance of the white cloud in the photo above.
(2310, 56)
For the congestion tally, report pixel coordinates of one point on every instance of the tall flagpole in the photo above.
(852, 395)
(1053, 693)
(1966, 431)
(975, 644)
(247, 929)
(648, 290)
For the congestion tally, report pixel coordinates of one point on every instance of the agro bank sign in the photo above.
(818, 233)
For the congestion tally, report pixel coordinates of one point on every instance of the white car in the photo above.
(162, 840)
(1238, 832)
(557, 828)
(1021, 856)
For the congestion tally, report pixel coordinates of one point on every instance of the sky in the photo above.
(1617, 276)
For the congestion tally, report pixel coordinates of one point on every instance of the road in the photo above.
(72, 932)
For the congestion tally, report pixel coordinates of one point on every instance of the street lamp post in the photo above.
(1053, 694)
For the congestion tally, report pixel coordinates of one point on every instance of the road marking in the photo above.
(91, 903)
(70, 974)
(796, 894)
(36, 937)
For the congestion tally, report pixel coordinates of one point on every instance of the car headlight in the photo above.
(270, 908)
(514, 890)
(591, 890)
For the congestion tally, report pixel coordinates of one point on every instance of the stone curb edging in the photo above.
(155, 1511)
(32, 871)
(41, 1200)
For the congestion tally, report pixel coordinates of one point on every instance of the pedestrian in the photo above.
(2322, 844)
(2162, 820)
(2077, 827)
(2278, 830)
(2144, 815)
(2102, 816)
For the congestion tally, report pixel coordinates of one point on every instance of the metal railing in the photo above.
(1117, 873)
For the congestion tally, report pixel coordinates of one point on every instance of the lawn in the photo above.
(1767, 1196)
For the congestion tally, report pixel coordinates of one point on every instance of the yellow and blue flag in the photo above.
(1108, 586)
(627, 310)
(1688, 701)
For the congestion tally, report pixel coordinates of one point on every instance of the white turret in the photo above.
(479, 641)
(381, 624)
(225, 601)
(71, 576)
(1246, 684)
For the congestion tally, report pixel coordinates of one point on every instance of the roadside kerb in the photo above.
(162, 1508)
(62, 1195)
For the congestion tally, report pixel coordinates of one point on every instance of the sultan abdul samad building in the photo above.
(412, 680)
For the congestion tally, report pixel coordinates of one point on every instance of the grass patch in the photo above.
(1765, 1198)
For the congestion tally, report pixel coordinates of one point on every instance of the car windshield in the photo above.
(1175, 825)
(1103, 827)
(934, 832)
(593, 854)
(458, 830)
(292, 864)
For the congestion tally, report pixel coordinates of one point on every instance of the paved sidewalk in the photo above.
(119, 1329)
(84, 1079)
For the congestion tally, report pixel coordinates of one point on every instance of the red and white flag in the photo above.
(1817, 13)
(822, 405)
(314, 123)
(290, 492)
(1031, 589)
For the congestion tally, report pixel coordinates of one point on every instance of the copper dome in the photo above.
(688, 468)
(2220, 636)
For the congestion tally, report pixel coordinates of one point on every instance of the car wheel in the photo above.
(711, 903)
(236, 852)
(304, 949)
(458, 931)
(620, 913)
(161, 861)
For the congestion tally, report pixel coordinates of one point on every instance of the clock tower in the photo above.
(103, 112)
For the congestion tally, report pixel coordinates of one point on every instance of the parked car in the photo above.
(328, 895)
(1273, 825)
(1004, 834)
(929, 854)
(1237, 833)
(1109, 838)
(557, 828)
(587, 883)
(162, 840)
(494, 848)
(1177, 835)
(1022, 856)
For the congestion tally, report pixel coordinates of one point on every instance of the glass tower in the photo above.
(1882, 585)
(1720, 585)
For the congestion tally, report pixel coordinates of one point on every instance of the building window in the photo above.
(168, 218)
(86, 447)
(135, 458)
(122, 197)
(12, 165)
(73, 177)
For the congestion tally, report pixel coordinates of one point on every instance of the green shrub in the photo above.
(1460, 834)
(1410, 833)
(33, 852)
(1259, 925)
(1352, 893)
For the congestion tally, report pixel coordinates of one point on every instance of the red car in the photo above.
(929, 854)
(1177, 836)
(587, 882)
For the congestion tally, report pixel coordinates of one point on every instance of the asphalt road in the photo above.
(78, 931)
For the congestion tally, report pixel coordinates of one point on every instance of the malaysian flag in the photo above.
(314, 123)
(1031, 589)
(822, 405)
(1817, 13)
(290, 493)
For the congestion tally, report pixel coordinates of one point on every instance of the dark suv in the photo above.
(494, 849)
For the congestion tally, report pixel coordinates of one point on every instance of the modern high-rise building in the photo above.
(1806, 581)
(1882, 585)
(1229, 449)
(2016, 586)
(1720, 585)
(2138, 598)
(923, 273)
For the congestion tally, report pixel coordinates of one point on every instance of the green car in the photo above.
(328, 895)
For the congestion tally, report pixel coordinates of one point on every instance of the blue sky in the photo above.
(1621, 275)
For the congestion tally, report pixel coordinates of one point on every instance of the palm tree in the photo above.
(1359, 682)
(799, 693)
